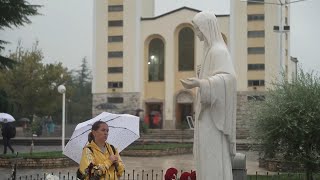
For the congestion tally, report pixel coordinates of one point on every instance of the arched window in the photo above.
(156, 60)
(186, 49)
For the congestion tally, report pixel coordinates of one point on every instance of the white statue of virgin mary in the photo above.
(214, 139)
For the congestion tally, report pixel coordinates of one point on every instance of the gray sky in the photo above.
(64, 31)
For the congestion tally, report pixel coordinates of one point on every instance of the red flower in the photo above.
(193, 175)
(171, 173)
(185, 176)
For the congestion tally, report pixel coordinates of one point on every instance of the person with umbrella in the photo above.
(6, 132)
(100, 160)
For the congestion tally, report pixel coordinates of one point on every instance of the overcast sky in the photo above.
(64, 31)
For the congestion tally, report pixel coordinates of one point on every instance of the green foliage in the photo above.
(80, 103)
(144, 128)
(51, 154)
(6, 63)
(14, 13)
(162, 146)
(30, 87)
(27, 85)
(36, 126)
(284, 176)
(58, 154)
(287, 122)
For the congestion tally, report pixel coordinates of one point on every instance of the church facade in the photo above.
(139, 58)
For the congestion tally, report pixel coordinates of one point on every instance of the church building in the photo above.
(139, 58)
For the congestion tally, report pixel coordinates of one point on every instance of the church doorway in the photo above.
(153, 116)
(184, 108)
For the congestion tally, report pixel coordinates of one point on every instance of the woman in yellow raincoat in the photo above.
(99, 159)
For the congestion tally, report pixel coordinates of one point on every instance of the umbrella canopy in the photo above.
(6, 116)
(123, 130)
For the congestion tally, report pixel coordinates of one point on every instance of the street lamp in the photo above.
(62, 90)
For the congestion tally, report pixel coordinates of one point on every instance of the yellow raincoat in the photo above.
(101, 161)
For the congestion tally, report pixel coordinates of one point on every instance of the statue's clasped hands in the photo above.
(190, 82)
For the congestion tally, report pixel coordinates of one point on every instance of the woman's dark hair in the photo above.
(95, 127)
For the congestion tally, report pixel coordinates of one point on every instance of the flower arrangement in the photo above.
(172, 173)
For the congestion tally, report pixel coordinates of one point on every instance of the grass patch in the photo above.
(282, 176)
(36, 155)
(163, 146)
(58, 154)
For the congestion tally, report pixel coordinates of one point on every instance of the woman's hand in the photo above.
(190, 83)
(113, 158)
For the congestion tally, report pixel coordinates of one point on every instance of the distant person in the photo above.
(7, 134)
(151, 121)
(139, 113)
(156, 120)
(50, 125)
(147, 120)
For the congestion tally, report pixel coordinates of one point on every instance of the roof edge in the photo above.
(176, 10)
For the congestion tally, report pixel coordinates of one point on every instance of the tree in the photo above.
(287, 123)
(83, 74)
(14, 13)
(27, 85)
(80, 105)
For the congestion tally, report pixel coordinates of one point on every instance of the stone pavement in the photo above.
(181, 162)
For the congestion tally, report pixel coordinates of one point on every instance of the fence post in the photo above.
(239, 169)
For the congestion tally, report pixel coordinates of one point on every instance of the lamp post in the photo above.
(62, 90)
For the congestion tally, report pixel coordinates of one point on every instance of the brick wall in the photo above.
(131, 101)
(244, 113)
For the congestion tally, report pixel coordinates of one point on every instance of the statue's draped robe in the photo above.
(214, 141)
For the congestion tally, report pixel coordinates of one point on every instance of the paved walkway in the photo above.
(181, 162)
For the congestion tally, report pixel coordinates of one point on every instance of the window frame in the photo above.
(256, 50)
(115, 23)
(255, 17)
(115, 8)
(256, 34)
(115, 54)
(112, 39)
(115, 84)
(160, 66)
(258, 82)
(261, 2)
(256, 67)
(115, 70)
(182, 60)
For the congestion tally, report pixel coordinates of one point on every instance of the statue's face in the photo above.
(198, 32)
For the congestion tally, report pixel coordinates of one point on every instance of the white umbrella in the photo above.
(6, 116)
(123, 130)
